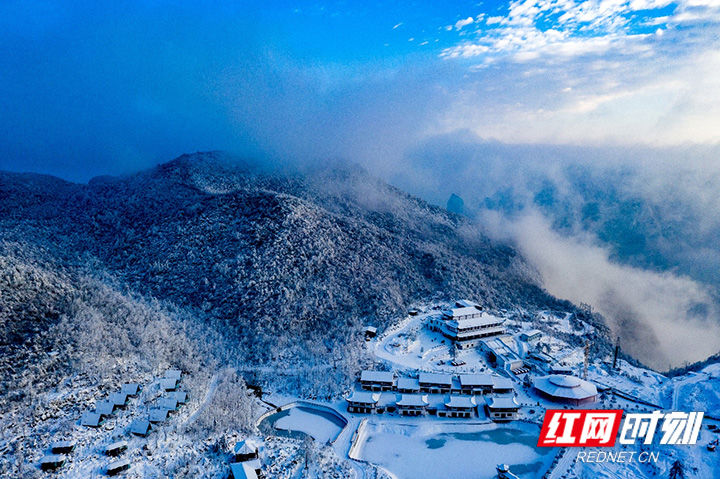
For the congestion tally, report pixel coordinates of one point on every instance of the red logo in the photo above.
(580, 428)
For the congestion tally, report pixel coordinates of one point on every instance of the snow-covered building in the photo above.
(62, 447)
(466, 325)
(117, 467)
(412, 404)
(531, 336)
(245, 470)
(502, 385)
(476, 383)
(377, 380)
(435, 382)
(502, 408)
(130, 389)
(104, 408)
(118, 399)
(560, 369)
(500, 353)
(173, 374)
(459, 406)
(565, 389)
(370, 332)
(179, 396)
(168, 403)
(466, 303)
(140, 427)
(90, 419)
(408, 385)
(245, 450)
(52, 462)
(116, 448)
(158, 414)
(541, 356)
(168, 384)
(363, 402)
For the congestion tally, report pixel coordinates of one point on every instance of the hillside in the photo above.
(281, 262)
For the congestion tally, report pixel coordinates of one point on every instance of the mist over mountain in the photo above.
(245, 265)
(629, 230)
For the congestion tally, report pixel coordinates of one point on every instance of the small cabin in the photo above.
(173, 374)
(502, 385)
(104, 408)
(168, 403)
(168, 384)
(179, 396)
(245, 451)
(562, 370)
(245, 470)
(158, 415)
(459, 406)
(90, 419)
(412, 404)
(377, 380)
(140, 427)
(532, 336)
(130, 389)
(363, 402)
(370, 332)
(502, 408)
(117, 467)
(62, 447)
(435, 382)
(408, 385)
(476, 383)
(52, 462)
(116, 448)
(118, 399)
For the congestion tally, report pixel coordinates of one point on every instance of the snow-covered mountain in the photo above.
(277, 260)
(209, 262)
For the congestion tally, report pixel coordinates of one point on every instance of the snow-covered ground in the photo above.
(436, 449)
(303, 419)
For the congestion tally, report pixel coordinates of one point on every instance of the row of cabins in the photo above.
(499, 408)
(139, 427)
(105, 408)
(436, 383)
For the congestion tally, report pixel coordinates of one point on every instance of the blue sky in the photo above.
(101, 87)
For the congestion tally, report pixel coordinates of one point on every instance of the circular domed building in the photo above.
(565, 389)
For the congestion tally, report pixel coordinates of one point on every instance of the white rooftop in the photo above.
(173, 374)
(502, 402)
(565, 387)
(118, 399)
(364, 397)
(476, 380)
(501, 382)
(435, 378)
(243, 470)
(377, 376)
(461, 402)
(463, 303)
(244, 447)
(408, 383)
(531, 332)
(140, 426)
(463, 311)
(413, 400)
(482, 320)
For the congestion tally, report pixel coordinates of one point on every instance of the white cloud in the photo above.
(460, 24)
(648, 310)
